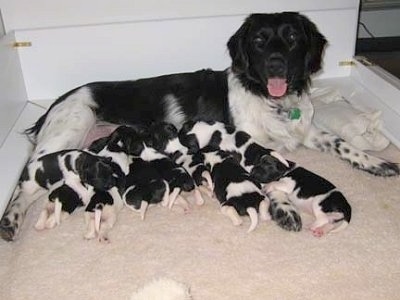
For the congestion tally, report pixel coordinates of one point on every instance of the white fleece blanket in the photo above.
(334, 114)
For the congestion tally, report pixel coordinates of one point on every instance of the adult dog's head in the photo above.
(275, 54)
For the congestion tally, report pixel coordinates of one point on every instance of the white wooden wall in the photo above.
(76, 42)
(28, 14)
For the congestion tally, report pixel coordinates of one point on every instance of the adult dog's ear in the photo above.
(316, 44)
(236, 46)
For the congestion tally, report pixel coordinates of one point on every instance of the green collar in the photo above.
(294, 113)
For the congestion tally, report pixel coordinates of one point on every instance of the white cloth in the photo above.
(163, 289)
(334, 114)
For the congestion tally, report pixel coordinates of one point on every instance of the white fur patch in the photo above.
(163, 289)
(174, 145)
(204, 131)
(149, 154)
(212, 159)
(236, 189)
(67, 123)
(258, 116)
(174, 113)
(120, 158)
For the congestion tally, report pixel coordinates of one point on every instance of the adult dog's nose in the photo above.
(276, 66)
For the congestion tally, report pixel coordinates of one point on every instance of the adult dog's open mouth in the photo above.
(277, 87)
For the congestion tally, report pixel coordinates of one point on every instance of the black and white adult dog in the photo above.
(262, 93)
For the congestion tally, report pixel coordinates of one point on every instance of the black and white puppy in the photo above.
(263, 92)
(237, 192)
(62, 202)
(314, 195)
(164, 138)
(69, 176)
(264, 165)
(144, 186)
(177, 178)
(120, 145)
(101, 213)
(214, 136)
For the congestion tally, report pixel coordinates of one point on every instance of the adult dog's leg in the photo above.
(327, 142)
(65, 127)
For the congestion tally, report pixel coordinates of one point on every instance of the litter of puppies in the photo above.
(138, 167)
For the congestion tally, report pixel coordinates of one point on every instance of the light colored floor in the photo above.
(217, 260)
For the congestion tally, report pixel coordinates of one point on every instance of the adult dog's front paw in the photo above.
(384, 169)
(9, 227)
(283, 212)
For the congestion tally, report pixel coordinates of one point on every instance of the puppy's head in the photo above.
(98, 172)
(270, 168)
(187, 139)
(126, 139)
(160, 134)
(275, 54)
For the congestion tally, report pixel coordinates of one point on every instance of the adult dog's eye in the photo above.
(258, 42)
(292, 36)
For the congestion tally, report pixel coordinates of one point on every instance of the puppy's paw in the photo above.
(283, 212)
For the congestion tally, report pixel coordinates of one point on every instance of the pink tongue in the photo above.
(277, 87)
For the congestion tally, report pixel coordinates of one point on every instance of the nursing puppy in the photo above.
(237, 192)
(177, 177)
(62, 202)
(314, 195)
(144, 186)
(120, 145)
(264, 165)
(219, 136)
(164, 138)
(68, 175)
(263, 92)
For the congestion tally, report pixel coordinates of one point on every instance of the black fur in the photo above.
(289, 47)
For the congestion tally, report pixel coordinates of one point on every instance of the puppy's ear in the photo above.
(190, 142)
(101, 174)
(236, 46)
(99, 144)
(171, 130)
(316, 44)
(186, 127)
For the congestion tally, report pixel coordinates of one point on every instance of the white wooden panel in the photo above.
(12, 90)
(63, 58)
(15, 152)
(371, 88)
(28, 14)
(380, 90)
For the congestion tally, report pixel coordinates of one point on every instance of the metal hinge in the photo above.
(346, 63)
(21, 44)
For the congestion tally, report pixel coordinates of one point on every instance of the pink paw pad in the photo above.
(317, 232)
